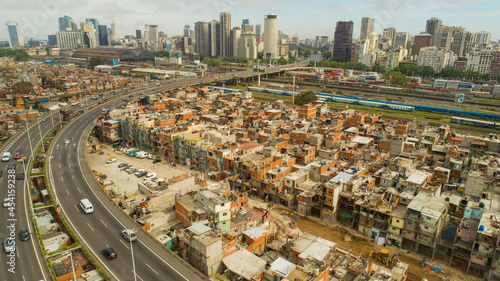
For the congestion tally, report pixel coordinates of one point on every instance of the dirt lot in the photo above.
(362, 245)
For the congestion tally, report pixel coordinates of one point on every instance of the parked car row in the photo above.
(140, 173)
(134, 152)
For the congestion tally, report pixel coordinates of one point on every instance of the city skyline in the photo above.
(319, 17)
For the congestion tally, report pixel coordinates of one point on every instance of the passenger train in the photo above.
(386, 104)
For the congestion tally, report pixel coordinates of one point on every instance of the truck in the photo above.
(141, 154)
(133, 153)
(127, 151)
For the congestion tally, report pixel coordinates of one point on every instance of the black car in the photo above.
(109, 253)
(122, 165)
(1, 172)
(156, 161)
(12, 166)
(141, 174)
(24, 234)
(20, 176)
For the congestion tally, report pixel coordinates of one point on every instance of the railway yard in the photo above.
(484, 110)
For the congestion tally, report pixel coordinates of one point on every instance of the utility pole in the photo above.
(258, 73)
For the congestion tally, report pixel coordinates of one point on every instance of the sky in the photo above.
(305, 18)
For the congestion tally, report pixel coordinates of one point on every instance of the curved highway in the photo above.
(28, 261)
(72, 180)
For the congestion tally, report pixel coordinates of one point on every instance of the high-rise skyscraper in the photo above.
(402, 39)
(138, 34)
(225, 34)
(52, 40)
(103, 35)
(342, 41)
(90, 37)
(366, 28)
(246, 26)
(201, 38)
(482, 37)
(235, 38)
(113, 31)
(67, 39)
(433, 26)
(67, 23)
(152, 32)
(270, 36)
(458, 41)
(94, 22)
(186, 30)
(214, 38)
(258, 30)
(15, 36)
(389, 34)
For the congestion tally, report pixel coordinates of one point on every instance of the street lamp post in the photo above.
(29, 138)
(72, 265)
(118, 182)
(133, 260)
(41, 137)
(51, 113)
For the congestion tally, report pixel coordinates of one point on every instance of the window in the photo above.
(224, 214)
(222, 205)
(397, 221)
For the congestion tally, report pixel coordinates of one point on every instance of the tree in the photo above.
(396, 78)
(214, 62)
(21, 56)
(307, 53)
(305, 97)
(326, 55)
(378, 68)
(22, 88)
(93, 62)
(260, 55)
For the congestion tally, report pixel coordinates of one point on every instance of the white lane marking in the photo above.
(77, 209)
(23, 278)
(152, 269)
(103, 223)
(73, 177)
(78, 189)
(67, 192)
(62, 178)
(90, 227)
(137, 275)
(17, 253)
(124, 244)
(98, 198)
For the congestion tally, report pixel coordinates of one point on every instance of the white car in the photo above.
(150, 176)
(66, 141)
(111, 160)
(7, 202)
(9, 245)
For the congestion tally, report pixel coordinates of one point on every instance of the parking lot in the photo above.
(123, 182)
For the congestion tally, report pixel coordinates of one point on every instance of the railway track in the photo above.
(382, 92)
(460, 129)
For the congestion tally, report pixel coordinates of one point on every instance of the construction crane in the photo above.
(384, 257)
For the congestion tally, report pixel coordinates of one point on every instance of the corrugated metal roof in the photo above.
(342, 176)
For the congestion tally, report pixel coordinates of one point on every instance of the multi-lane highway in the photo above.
(27, 262)
(71, 180)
